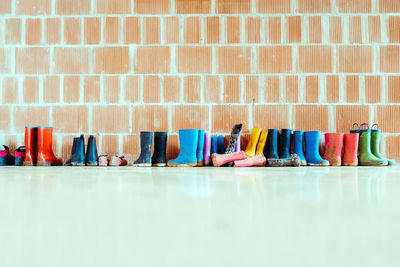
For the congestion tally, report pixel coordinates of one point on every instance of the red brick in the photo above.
(349, 114)
(332, 89)
(274, 59)
(92, 89)
(224, 116)
(5, 7)
(71, 60)
(112, 89)
(194, 59)
(314, 6)
(32, 60)
(213, 27)
(293, 29)
(132, 89)
(30, 116)
(393, 84)
(5, 60)
(355, 59)
(172, 147)
(232, 89)
(171, 30)
(30, 90)
(272, 89)
(271, 116)
(314, 30)
(274, 30)
(394, 29)
(150, 118)
(373, 89)
(10, 90)
(152, 30)
(335, 29)
(192, 89)
(152, 59)
(384, 117)
(51, 89)
(172, 88)
(253, 29)
(190, 117)
(311, 118)
(110, 119)
(52, 30)
(112, 28)
(112, 60)
(312, 89)
(109, 145)
(67, 7)
(291, 88)
(233, 59)
(354, 6)
(5, 121)
(233, 29)
(393, 145)
(151, 89)
(193, 6)
(233, 6)
(71, 89)
(152, 6)
(70, 119)
(273, 6)
(92, 30)
(114, 7)
(355, 32)
(315, 59)
(33, 31)
(390, 58)
(374, 29)
(131, 147)
(72, 31)
(192, 30)
(212, 89)
(389, 6)
(32, 7)
(132, 30)
(352, 89)
(252, 90)
(13, 31)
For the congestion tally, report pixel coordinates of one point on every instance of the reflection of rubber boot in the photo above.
(46, 156)
(31, 145)
(221, 159)
(333, 148)
(366, 158)
(292, 161)
(78, 152)
(350, 142)
(298, 146)
(252, 144)
(160, 149)
(375, 142)
(284, 143)
(91, 152)
(312, 149)
(220, 144)
(207, 148)
(257, 161)
(261, 143)
(146, 141)
(272, 144)
(200, 147)
(188, 140)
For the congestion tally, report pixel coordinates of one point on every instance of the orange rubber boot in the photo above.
(46, 156)
(333, 148)
(31, 144)
(350, 149)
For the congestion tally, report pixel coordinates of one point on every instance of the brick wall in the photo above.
(115, 67)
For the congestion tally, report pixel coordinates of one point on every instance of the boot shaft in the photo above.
(272, 144)
(31, 144)
(45, 139)
(160, 147)
(200, 146)
(91, 156)
(284, 143)
(350, 143)
(207, 148)
(252, 144)
(261, 143)
(298, 140)
(334, 143)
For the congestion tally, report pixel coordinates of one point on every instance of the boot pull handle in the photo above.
(375, 125)
(364, 126)
(356, 124)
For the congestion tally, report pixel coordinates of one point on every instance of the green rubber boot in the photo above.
(366, 158)
(375, 141)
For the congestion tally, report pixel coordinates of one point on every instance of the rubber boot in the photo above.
(366, 158)
(46, 156)
(233, 140)
(92, 156)
(207, 148)
(251, 146)
(298, 146)
(350, 142)
(375, 141)
(333, 148)
(146, 141)
(6, 158)
(312, 149)
(31, 145)
(220, 144)
(214, 146)
(238, 143)
(159, 158)
(200, 148)
(20, 153)
(188, 140)
(222, 159)
(78, 152)
(292, 161)
(284, 143)
(272, 144)
(257, 161)
(261, 143)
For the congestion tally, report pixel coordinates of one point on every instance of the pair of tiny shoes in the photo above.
(104, 160)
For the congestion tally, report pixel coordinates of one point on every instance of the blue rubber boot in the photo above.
(146, 142)
(298, 146)
(312, 149)
(200, 148)
(214, 144)
(272, 145)
(284, 143)
(221, 145)
(188, 141)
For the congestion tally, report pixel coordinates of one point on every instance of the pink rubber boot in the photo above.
(207, 148)
(258, 160)
(221, 159)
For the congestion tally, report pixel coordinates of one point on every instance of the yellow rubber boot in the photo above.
(251, 146)
(261, 143)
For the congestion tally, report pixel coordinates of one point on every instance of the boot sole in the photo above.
(371, 165)
(93, 164)
(318, 165)
(46, 163)
(28, 164)
(76, 164)
(350, 164)
(200, 164)
(159, 164)
(142, 165)
(182, 165)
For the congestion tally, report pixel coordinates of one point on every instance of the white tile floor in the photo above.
(65, 216)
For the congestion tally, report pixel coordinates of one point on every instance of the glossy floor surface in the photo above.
(93, 216)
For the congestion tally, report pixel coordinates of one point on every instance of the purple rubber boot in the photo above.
(207, 148)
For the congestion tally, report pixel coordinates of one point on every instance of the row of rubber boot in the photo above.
(78, 155)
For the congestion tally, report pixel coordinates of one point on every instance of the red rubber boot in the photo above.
(31, 144)
(350, 149)
(333, 148)
(46, 156)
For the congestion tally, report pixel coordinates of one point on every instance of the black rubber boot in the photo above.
(5, 157)
(20, 156)
(91, 152)
(146, 140)
(160, 149)
(271, 149)
(78, 152)
(284, 143)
